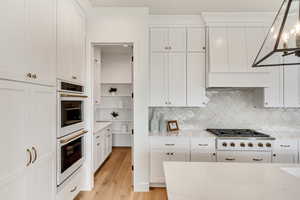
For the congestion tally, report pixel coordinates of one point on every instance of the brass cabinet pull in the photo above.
(74, 77)
(285, 145)
(74, 189)
(34, 76)
(30, 157)
(80, 133)
(73, 95)
(29, 75)
(230, 159)
(97, 137)
(170, 144)
(203, 145)
(35, 154)
(257, 159)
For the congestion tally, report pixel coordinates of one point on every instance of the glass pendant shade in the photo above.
(282, 44)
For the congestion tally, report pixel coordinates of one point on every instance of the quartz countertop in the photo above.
(232, 181)
(101, 125)
(184, 133)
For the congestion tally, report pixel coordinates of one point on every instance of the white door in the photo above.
(13, 153)
(177, 79)
(40, 179)
(41, 46)
(41, 137)
(196, 95)
(177, 39)
(237, 57)
(159, 39)
(13, 36)
(159, 79)
(196, 40)
(218, 50)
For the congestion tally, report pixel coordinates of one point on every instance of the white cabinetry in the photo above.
(244, 156)
(166, 149)
(29, 124)
(102, 146)
(285, 151)
(70, 41)
(203, 150)
(177, 67)
(230, 59)
(28, 41)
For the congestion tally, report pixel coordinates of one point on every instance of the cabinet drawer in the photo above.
(203, 145)
(285, 146)
(168, 142)
(70, 189)
(245, 156)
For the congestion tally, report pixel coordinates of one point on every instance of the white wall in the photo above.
(119, 25)
(116, 64)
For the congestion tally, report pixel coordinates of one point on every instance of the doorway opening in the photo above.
(113, 100)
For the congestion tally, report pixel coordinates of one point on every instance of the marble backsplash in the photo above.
(230, 108)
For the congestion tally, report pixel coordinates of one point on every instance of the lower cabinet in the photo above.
(102, 146)
(285, 151)
(28, 146)
(158, 156)
(203, 150)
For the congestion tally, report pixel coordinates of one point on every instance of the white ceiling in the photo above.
(194, 6)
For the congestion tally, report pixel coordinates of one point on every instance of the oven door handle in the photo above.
(75, 136)
(73, 95)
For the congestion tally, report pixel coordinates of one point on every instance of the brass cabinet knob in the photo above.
(29, 75)
(74, 77)
(34, 76)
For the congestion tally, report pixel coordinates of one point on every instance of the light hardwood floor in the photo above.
(113, 181)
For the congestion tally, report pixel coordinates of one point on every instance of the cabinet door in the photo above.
(41, 47)
(177, 79)
(237, 58)
(196, 95)
(273, 95)
(159, 39)
(78, 57)
(198, 156)
(42, 121)
(40, 179)
(285, 151)
(196, 40)
(159, 79)
(64, 39)
(218, 50)
(291, 86)
(254, 39)
(14, 118)
(158, 156)
(13, 37)
(177, 39)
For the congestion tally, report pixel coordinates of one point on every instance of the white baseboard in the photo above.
(141, 187)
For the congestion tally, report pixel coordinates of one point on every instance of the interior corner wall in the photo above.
(119, 25)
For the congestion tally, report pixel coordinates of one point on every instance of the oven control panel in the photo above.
(244, 145)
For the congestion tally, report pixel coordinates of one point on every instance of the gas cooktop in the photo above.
(237, 133)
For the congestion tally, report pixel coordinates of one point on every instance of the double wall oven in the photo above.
(70, 129)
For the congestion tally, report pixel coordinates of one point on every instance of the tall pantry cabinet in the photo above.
(28, 93)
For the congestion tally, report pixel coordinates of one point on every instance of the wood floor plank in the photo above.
(114, 181)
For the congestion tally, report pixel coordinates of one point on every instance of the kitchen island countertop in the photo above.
(232, 181)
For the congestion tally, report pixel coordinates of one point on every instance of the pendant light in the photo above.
(282, 43)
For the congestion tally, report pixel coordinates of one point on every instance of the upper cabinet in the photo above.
(232, 50)
(28, 43)
(70, 41)
(177, 67)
